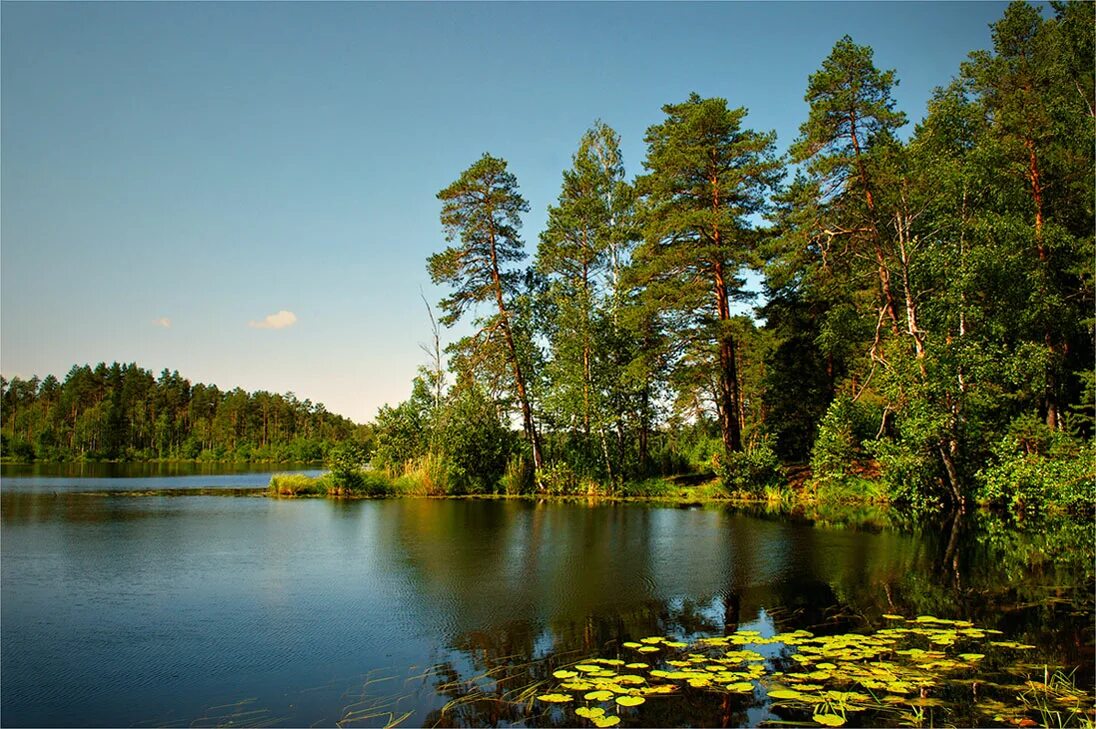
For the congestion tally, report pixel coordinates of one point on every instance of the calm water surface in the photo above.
(120, 610)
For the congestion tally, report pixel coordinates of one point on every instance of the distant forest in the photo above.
(124, 412)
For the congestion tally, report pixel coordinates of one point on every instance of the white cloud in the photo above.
(281, 320)
(163, 321)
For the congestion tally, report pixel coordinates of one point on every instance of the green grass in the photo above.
(295, 484)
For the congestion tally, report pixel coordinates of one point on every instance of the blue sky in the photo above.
(262, 176)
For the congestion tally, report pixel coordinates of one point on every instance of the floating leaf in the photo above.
(630, 700)
(564, 674)
(829, 719)
(604, 721)
(587, 668)
(589, 713)
(784, 694)
(892, 617)
(652, 639)
(555, 698)
(971, 656)
(676, 644)
(637, 665)
(648, 649)
(598, 695)
(631, 644)
(742, 687)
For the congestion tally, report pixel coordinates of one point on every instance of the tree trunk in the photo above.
(1050, 393)
(729, 396)
(519, 380)
(877, 244)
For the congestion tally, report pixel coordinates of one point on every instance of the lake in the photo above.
(176, 609)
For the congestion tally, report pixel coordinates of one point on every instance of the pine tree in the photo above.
(707, 176)
(481, 213)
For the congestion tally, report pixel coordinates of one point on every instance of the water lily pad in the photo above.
(577, 685)
(555, 698)
(741, 687)
(631, 644)
(652, 639)
(648, 649)
(588, 668)
(630, 700)
(971, 656)
(784, 694)
(676, 644)
(637, 665)
(600, 695)
(604, 721)
(564, 674)
(829, 719)
(888, 616)
(589, 713)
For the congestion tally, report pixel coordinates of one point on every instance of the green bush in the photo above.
(751, 471)
(518, 477)
(1025, 480)
(843, 430)
(908, 475)
(560, 479)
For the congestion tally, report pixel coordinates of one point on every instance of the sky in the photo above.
(246, 192)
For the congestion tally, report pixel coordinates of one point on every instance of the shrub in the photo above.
(844, 428)
(1027, 481)
(750, 471)
(518, 477)
(559, 478)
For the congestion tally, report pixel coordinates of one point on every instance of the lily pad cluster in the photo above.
(830, 677)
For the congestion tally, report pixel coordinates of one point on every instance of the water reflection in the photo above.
(160, 610)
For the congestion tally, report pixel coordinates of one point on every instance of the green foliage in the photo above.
(754, 471)
(123, 412)
(346, 462)
(908, 475)
(1034, 468)
(706, 175)
(481, 213)
(518, 477)
(427, 475)
(296, 484)
(838, 448)
(476, 444)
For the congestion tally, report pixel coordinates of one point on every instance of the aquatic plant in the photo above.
(901, 674)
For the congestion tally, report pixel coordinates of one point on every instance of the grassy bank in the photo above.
(797, 491)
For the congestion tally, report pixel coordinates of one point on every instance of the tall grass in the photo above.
(364, 483)
(427, 475)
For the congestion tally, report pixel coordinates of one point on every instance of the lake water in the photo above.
(202, 609)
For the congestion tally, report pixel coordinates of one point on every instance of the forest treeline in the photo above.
(922, 331)
(124, 412)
